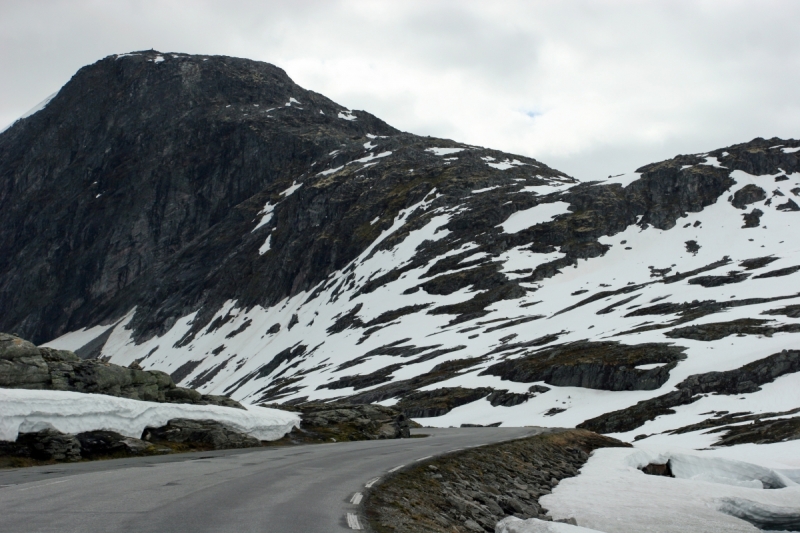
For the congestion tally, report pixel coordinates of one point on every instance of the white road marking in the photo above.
(356, 499)
(44, 485)
(395, 469)
(352, 521)
(423, 458)
(372, 482)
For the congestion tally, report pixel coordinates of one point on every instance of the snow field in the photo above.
(717, 229)
(612, 495)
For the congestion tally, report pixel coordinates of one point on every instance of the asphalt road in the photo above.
(282, 490)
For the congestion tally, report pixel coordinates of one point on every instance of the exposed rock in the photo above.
(105, 443)
(778, 273)
(594, 365)
(753, 218)
(716, 281)
(757, 262)
(748, 378)
(25, 366)
(747, 195)
(323, 422)
(761, 432)
(743, 326)
(792, 311)
(438, 402)
(473, 489)
(508, 399)
(49, 444)
(207, 434)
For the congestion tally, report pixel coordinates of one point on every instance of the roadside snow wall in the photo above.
(24, 410)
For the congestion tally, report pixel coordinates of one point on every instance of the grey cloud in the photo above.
(615, 84)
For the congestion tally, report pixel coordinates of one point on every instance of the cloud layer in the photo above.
(591, 88)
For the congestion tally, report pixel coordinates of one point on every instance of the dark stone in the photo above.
(789, 205)
(654, 469)
(779, 272)
(101, 443)
(716, 281)
(753, 218)
(692, 247)
(50, 444)
(747, 195)
(757, 262)
(200, 433)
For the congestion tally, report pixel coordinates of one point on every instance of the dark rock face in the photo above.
(133, 159)
(49, 444)
(201, 433)
(25, 366)
(748, 378)
(595, 365)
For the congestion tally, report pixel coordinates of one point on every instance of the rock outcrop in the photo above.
(334, 422)
(594, 365)
(25, 366)
(748, 378)
(208, 434)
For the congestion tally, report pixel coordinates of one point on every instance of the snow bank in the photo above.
(513, 524)
(708, 494)
(24, 410)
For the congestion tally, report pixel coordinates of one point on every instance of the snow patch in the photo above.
(624, 179)
(330, 171)
(38, 107)
(444, 151)
(266, 246)
(612, 494)
(790, 150)
(266, 215)
(535, 215)
(512, 524)
(506, 164)
(347, 115)
(291, 189)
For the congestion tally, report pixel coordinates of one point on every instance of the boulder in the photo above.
(200, 433)
(49, 444)
(99, 443)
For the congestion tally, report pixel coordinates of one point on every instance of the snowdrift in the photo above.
(73, 412)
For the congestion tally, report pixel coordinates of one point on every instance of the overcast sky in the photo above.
(591, 88)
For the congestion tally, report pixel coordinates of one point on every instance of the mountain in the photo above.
(207, 217)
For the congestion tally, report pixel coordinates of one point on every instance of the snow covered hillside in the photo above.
(510, 324)
(290, 249)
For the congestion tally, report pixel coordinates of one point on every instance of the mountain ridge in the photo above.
(370, 265)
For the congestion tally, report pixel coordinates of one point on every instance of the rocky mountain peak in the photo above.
(207, 217)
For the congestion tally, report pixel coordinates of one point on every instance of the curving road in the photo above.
(282, 490)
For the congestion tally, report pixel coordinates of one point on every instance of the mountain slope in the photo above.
(337, 257)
